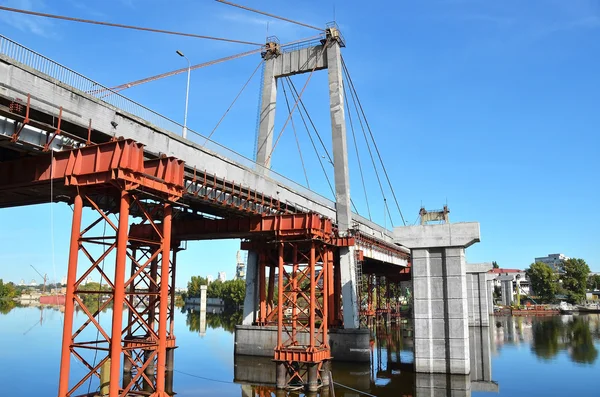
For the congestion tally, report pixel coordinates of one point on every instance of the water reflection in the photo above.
(197, 320)
(551, 335)
(390, 372)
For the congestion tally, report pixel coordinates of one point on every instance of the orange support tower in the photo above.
(115, 181)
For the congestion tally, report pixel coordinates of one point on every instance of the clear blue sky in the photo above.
(489, 106)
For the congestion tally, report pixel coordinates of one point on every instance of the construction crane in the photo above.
(44, 277)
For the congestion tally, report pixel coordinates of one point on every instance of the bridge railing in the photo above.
(92, 88)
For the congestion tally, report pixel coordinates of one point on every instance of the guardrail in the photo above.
(87, 86)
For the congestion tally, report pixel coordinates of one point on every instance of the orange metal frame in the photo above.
(115, 171)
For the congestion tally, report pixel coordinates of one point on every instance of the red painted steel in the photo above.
(119, 167)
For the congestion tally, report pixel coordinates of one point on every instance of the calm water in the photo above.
(518, 356)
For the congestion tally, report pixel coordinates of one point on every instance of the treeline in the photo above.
(571, 280)
(231, 291)
(7, 291)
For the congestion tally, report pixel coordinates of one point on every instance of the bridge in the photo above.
(67, 138)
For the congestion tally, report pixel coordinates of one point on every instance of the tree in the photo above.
(234, 292)
(543, 280)
(594, 282)
(7, 291)
(215, 289)
(574, 279)
(194, 286)
(495, 265)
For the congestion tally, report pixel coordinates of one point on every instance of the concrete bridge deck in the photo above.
(219, 182)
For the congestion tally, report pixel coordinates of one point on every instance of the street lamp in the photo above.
(187, 94)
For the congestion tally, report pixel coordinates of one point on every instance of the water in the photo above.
(553, 356)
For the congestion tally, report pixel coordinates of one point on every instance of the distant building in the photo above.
(515, 273)
(240, 267)
(553, 260)
(210, 278)
(221, 276)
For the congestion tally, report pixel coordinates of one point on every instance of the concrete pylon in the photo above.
(267, 112)
(281, 64)
(251, 298)
(477, 293)
(440, 310)
(342, 183)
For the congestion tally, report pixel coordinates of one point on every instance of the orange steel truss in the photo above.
(115, 181)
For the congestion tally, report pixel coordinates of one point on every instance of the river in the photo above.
(517, 356)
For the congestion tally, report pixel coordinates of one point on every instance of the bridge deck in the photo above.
(217, 184)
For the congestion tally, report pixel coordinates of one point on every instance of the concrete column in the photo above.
(203, 289)
(477, 294)
(434, 385)
(440, 311)
(342, 183)
(266, 124)
(506, 288)
(490, 290)
(251, 298)
(480, 345)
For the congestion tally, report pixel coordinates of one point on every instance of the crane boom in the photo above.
(44, 277)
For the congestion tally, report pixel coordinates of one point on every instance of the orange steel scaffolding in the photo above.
(115, 181)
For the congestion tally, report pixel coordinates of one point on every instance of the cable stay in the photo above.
(232, 103)
(269, 15)
(118, 25)
(294, 91)
(352, 94)
(353, 90)
(295, 105)
(362, 178)
(295, 135)
(131, 84)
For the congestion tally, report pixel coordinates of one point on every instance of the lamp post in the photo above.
(187, 94)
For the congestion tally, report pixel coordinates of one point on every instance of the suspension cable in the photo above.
(362, 178)
(345, 69)
(371, 156)
(295, 135)
(232, 103)
(117, 25)
(269, 15)
(311, 122)
(312, 141)
(292, 91)
(296, 103)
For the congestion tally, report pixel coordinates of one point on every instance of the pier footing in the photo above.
(346, 344)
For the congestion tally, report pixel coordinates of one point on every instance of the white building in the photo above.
(553, 260)
(221, 277)
(210, 278)
(524, 284)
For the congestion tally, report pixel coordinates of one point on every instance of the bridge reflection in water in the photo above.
(390, 372)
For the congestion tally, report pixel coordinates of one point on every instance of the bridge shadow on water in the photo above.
(389, 373)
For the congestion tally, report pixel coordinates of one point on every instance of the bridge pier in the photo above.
(477, 294)
(440, 309)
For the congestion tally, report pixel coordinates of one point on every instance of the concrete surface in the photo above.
(49, 94)
(478, 294)
(446, 235)
(346, 344)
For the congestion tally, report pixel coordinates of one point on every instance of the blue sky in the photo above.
(491, 107)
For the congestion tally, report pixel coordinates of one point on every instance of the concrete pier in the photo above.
(346, 344)
(481, 360)
(440, 309)
(477, 294)
(506, 285)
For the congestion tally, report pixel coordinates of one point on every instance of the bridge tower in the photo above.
(324, 54)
